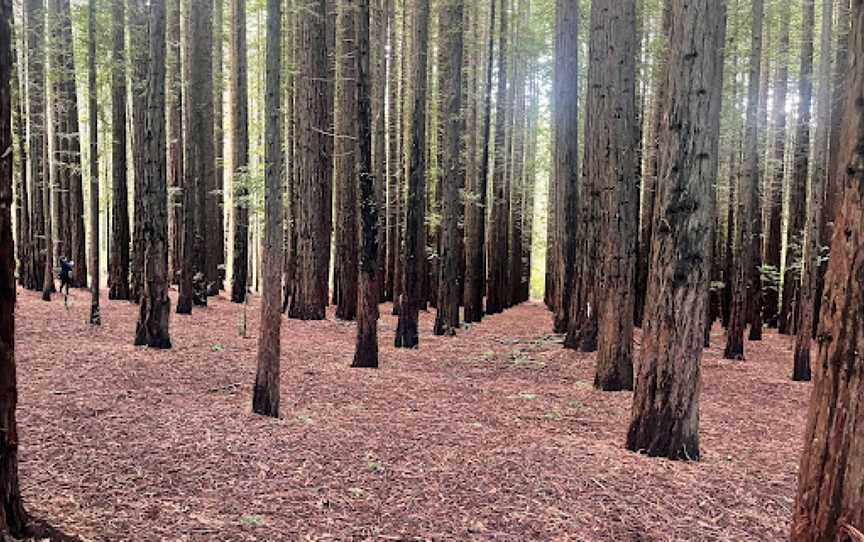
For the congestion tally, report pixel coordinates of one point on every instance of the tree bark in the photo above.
(451, 169)
(217, 238)
(665, 420)
(118, 273)
(139, 61)
(155, 313)
(13, 519)
(95, 265)
(366, 350)
(345, 180)
(265, 400)
(497, 246)
(314, 166)
(240, 151)
(611, 162)
(177, 206)
(830, 501)
(476, 211)
(34, 13)
(407, 335)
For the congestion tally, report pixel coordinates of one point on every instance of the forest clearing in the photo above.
(585, 270)
(497, 433)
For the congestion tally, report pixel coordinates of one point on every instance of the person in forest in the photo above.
(66, 267)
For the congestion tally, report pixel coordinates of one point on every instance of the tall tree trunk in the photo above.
(611, 162)
(451, 170)
(314, 166)
(810, 281)
(830, 503)
(13, 519)
(198, 155)
(378, 79)
(217, 238)
(240, 151)
(407, 335)
(746, 247)
(95, 281)
(177, 209)
(139, 61)
(265, 400)
(773, 242)
(155, 313)
(665, 420)
(798, 189)
(366, 350)
(497, 257)
(475, 212)
(517, 175)
(565, 199)
(118, 273)
(392, 179)
(344, 157)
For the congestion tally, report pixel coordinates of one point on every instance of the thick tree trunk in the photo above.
(240, 151)
(378, 80)
(314, 167)
(830, 502)
(366, 350)
(118, 272)
(476, 210)
(152, 328)
(198, 155)
(23, 239)
(774, 242)
(344, 157)
(665, 421)
(139, 61)
(13, 519)
(747, 248)
(611, 162)
(451, 170)
(407, 335)
(797, 192)
(265, 400)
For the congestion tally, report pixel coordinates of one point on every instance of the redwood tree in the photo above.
(407, 335)
(369, 290)
(118, 267)
(566, 155)
(13, 519)
(95, 280)
(611, 163)
(665, 420)
(240, 151)
(155, 313)
(830, 502)
(313, 172)
(451, 170)
(266, 396)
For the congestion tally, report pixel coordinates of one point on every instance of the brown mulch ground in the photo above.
(494, 434)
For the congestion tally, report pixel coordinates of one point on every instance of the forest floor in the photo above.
(496, 433)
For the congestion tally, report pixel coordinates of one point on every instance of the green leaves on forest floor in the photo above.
(252, 521)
